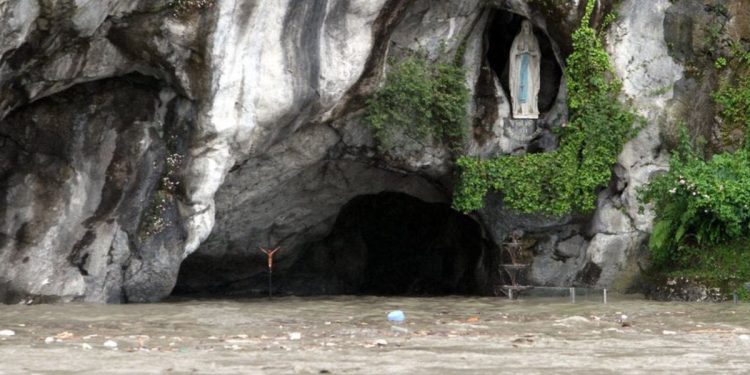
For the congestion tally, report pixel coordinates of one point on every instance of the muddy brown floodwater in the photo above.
(350, 335)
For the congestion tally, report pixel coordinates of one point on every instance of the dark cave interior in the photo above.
(381, 244)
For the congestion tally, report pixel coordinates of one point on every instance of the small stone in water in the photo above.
(49, 340)
(7, 333)
(110, 344)
(295, 336)
(380, 342)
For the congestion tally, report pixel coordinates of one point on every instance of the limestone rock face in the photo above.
(139, 141)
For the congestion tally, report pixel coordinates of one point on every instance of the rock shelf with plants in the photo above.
(568, 179)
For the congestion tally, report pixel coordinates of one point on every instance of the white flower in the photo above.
(673, 190)
(682, 182)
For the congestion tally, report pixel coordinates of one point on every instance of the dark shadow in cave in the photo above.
(380, 244)
(394, 244)
(504, 26)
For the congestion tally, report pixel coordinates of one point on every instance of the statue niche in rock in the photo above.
(524, 73)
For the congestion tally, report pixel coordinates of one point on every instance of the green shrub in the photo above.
(699, 203)
(568, 179)
(420, 99)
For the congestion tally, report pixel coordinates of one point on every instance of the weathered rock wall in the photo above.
(134, 135)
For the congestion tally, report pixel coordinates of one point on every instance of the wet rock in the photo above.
(268, 116)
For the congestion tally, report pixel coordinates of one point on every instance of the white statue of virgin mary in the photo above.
(524, 73)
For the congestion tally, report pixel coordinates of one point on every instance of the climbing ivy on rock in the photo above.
(568, 179)
(420, 99)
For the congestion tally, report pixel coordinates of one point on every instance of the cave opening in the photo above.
(380, 244)
(502, 30)
(396, 244)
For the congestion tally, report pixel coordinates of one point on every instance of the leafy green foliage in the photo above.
(569, 178)
(420, 99)
(720, 62)
(726, 265)
(699, 204)
(734, 104)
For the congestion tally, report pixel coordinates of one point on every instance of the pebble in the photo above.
(7, 333)
(110, 344)
(295, 336)
(49, 340)
(380, 342)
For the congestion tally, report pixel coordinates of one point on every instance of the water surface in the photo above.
(350, 335)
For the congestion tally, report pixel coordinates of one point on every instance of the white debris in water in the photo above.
(744, 338)
(49, 340)
(110, 344)
(295, 336)
(665, 332)
(86, 346)
(380, 342)
(7, 333)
